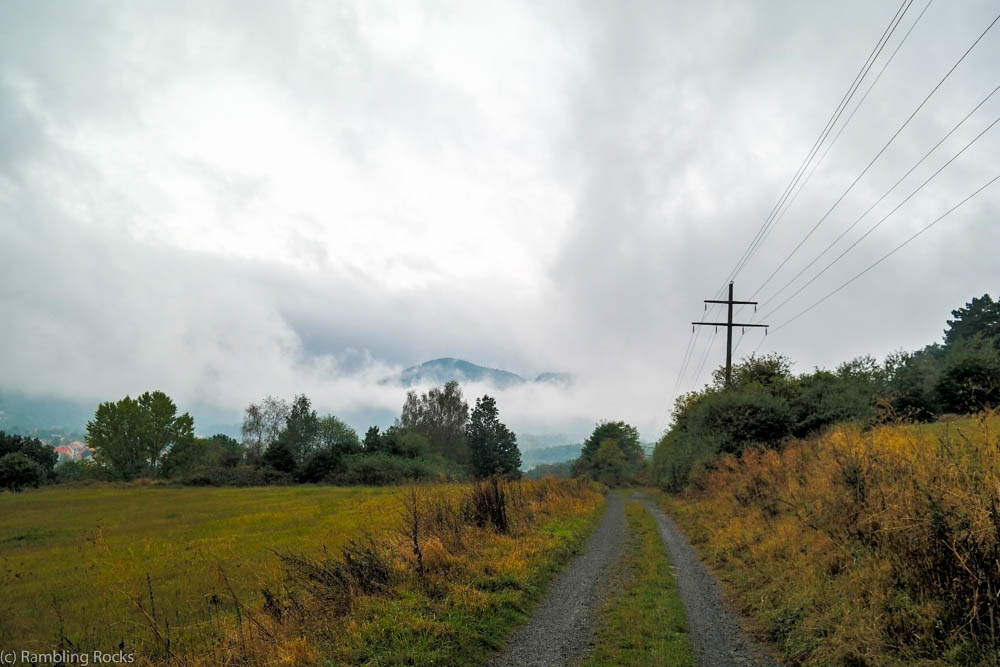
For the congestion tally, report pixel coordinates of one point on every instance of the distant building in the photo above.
(74, 451)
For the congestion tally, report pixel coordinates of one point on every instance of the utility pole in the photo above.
(729, 324)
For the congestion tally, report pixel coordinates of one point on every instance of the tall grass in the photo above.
(863, 547)
(278, 575)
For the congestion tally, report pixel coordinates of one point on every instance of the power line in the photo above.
(876, 50)
(837, 136)
(891, 252)
(704, 357)
(878, 155)
(880, 199)
(885, 217)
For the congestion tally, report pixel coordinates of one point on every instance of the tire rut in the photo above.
(716, 635)
(558, 632)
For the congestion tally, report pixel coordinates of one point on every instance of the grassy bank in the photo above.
(860, 547)
(278, 575)
(642, 621)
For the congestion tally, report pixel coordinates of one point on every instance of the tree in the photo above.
(492, 446)
(373, 440)
(162, 428)
(626, 435)
(297, 439)
(769, 371)
(17, 471)
(970, 378)
(262, 424)
(609, 464)
(979, 317)
(337, 437)
(33, 448)
(439, 415)
(130, 437)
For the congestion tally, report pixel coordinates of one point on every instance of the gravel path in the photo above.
(558, 632)
(715, 631)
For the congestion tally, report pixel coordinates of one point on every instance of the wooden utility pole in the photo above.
(729, 324)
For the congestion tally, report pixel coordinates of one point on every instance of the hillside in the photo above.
(439, 371)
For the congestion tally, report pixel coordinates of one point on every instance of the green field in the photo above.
(74, 560)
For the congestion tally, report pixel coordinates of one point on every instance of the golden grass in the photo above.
(862, 547)
(179, 574)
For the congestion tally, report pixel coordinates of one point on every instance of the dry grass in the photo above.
(877, 547)
(281, 576)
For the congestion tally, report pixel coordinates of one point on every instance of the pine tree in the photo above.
(493, 446)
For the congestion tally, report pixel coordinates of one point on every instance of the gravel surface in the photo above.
(715, 631)
(558, 632)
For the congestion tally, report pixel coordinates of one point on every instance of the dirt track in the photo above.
(715, 631)
(559, 631)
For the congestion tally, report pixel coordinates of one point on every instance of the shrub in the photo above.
(970, 378)
(239, 476)
(732, 420)
(380, 468)
(17, 471)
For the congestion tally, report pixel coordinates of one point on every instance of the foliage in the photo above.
(131, 436)
(969, 379)
(769, 372)
(612, 454)
(979, 318)
(642, 622)
(379, 468)
(562, 470)
(439, 415)
(262, 423)
(32, 448)
(17, 472)
(860, 546)
(492, 446)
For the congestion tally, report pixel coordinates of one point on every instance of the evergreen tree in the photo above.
(979, 317)
(492, 446)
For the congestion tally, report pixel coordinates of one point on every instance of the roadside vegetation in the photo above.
(296, 575)
(855, 511)
(642, 621)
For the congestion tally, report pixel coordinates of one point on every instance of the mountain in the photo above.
(439, 371)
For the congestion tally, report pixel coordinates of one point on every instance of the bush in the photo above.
(380, 468)
(732, 420)
(32, 448)
(17, 471)
(970, 378)
(239, 476)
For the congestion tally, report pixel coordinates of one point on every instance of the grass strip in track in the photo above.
(642, 621)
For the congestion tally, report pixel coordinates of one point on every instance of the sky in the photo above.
(225, 200)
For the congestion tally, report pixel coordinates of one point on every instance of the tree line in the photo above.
(436, 437)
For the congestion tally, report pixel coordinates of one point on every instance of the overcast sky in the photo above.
(226, 200)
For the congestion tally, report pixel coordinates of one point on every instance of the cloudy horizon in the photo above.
(228, 200)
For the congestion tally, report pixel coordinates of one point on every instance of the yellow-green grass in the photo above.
(642, 622)
(860, 546)
(97, 567)
(72, 560)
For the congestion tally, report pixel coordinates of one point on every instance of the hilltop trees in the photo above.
(131, 436)
(492, 446)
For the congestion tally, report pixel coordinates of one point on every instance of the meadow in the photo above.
(228, 576)
(861, 546)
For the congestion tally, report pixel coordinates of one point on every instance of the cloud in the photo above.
(230, 200)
